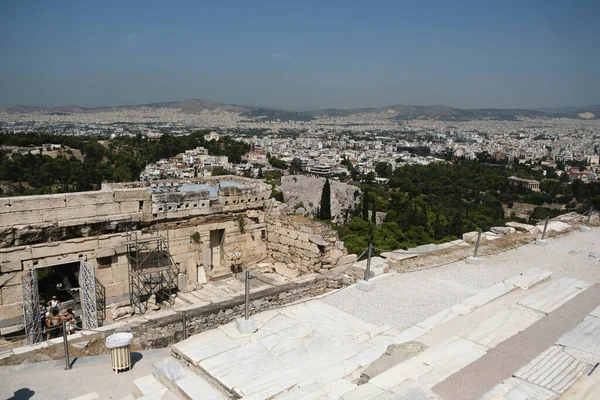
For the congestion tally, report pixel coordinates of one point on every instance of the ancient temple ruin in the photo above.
(130, 241)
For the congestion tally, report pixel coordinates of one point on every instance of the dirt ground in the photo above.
(94, 347)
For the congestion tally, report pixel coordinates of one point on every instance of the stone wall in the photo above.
(302, 244)
(41, 231)
(39, 219)
(164, 332)
(96, 226)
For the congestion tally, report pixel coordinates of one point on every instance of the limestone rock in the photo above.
(285, 271)
(503, 230)
(121, 312)
(346, 260)
(553, 226)
(488, 235)
(307, 189)
(335, 254)
(470, 237)
(519, 226)
(317, 239)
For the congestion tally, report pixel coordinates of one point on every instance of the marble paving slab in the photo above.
(554, 369)
(204, 345)
(366, 391)
(596, 312)
(438, 319)
(501, 326)
(529, 278)
(332, 390)
(433, 365)
(518, 389)
(489, 294)
(310, 343)
(585, 336)
(275, 382)
(555, 295)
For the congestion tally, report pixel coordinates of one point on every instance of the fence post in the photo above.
(474, 260)
(184, 322)
(66, 345)
(368, 269)
(247, 296)
(545, 227)
(246, 325)
(542, 241)
(477, 244)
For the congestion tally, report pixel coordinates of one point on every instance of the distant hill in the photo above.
(439, 112)
(399, 112)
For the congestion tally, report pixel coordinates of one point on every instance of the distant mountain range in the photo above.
(400, 112)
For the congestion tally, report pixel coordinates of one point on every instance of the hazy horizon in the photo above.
(304, 56)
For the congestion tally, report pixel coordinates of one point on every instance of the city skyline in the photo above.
(303, 56)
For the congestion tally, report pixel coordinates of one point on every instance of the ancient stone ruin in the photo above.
(134, 244)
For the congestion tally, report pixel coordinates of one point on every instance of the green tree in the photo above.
(260, 173)
(277, 163)
(383, 169)
(365, 205)
(325, 209)
(296, 166)
(374, 213)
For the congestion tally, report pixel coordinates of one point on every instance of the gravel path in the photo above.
(403, 299)
(49, 380)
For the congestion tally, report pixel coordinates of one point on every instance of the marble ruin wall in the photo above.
(303, 245)
(40, 231)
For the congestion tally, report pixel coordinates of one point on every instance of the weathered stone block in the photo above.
(107, 209)
(105, 275)
(318, 240)
(284, 271)
(88, 198)
(129, 207)
(33, 217)
(120, 272)
(114, 289)
(142, 194)
(30, 203)
(11, 294)
(346, 260)
(11, 310)
(67, 213)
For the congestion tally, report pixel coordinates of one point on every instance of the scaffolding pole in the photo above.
(151, 269)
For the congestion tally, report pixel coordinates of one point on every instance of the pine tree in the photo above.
(374, 214)
(260, 173)
(365, 206)
(325, 209)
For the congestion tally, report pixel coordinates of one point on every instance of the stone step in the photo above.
(179, 302)
(188, 298)
(147, 385)
(318, 390)
(184, 383)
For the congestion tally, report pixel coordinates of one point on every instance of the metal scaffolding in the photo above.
(31, 307)
(151, 269)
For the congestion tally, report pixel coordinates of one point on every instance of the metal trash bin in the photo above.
(120, 350)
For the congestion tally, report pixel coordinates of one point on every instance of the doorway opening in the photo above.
(62, 281)
(216, 248)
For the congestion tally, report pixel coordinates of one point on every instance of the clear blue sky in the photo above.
(301, 54)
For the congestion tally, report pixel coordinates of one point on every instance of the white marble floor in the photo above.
(313, 350)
